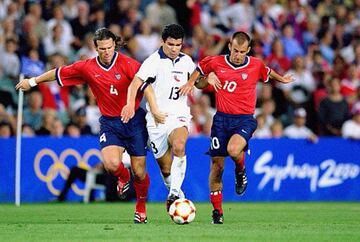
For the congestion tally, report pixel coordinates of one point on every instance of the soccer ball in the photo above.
(182, 211)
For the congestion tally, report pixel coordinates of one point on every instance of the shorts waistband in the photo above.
(234, 115)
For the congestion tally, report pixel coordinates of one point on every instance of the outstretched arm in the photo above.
(26, 84)
(284, 79)
(150, 97)
(128, 110)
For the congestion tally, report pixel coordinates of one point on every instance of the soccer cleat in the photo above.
(170, 201)
(217, 217)
(240, 182)
(140, 218)
(122, 188)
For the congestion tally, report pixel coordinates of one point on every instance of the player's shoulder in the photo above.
(124, 58)
(255, 60)
(186, 57)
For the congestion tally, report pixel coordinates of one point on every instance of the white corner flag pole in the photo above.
(18, 145)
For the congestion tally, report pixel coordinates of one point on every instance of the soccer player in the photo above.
(166, 70)
(234, 80)
(109, 76)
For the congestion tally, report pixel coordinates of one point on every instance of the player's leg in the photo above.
(235, 149)
(112, 149)
(177, 140)
(112, 156)
(218, 152)
(237, 146)
(215, 182)
(136, 146)
(141, 186)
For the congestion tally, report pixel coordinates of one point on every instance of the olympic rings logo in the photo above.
(58, 166)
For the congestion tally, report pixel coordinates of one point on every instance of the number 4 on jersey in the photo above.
(113, 90)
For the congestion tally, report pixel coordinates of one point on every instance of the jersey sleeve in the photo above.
(70, 75)
(205, 65)
(147, 70)
(191, 67)
(132, 68)
(264, 72)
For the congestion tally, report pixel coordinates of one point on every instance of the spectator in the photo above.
(159, 14)
(48, 120)
(351, 127)
(262, 130)
(277, 129)
(81, 122)
(298, 130)
(57, 128)
(10, 63)
(27, 131)
(146, 42)
(292, 47)
(5, 130)
(72, 130)
(333, 110)
(33, 113)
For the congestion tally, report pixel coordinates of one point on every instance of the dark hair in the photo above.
(241, 37)
(104, 34)
(174, 31)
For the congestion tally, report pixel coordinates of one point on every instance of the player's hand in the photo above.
(23, 85)
(288, 78)
(159, 117)
(186, 89)
(127, 113)
(214, 81)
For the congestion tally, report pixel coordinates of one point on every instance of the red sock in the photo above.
(216, 200)
(122, 173)
(240, 164)
(141, 189)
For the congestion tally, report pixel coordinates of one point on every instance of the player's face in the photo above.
(238, 52)
(105, 49)
(172, 47)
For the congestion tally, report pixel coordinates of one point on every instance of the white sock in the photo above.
(178, 169)
(167, 181)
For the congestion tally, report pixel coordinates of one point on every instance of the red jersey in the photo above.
(108, 83)
(238, 93)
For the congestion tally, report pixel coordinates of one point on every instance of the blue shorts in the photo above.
(226, 125)
(132, 136)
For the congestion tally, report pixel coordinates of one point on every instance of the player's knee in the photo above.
(234, 150)
(217, 168)
(111, 165)
(139, 174)
(179, 147)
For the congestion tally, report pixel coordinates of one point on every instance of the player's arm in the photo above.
(128, 110)
(159, 116)
(284, 79)
(26, 84)
(200, 81)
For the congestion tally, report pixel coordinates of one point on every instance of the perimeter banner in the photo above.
(278, 170)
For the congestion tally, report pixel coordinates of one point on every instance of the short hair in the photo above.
(241, 37)
(174, 31)
(104, 34)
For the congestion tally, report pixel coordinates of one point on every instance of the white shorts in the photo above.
(158, 135)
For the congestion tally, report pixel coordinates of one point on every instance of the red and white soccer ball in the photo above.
(182, 211)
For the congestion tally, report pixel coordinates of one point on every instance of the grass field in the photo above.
(243, 222)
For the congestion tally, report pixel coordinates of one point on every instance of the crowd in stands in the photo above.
(316, 41)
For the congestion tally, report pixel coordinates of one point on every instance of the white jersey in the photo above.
(166, 77)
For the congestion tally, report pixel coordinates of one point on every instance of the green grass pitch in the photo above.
(243, 222)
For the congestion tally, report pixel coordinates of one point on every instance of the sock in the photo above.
(178, 168)
(122, 173)
(141, 189)
(240, 164)
(167, 182)
(216, 200)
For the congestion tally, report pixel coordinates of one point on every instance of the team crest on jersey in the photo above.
(176, 78)
(117, 76)
(244, 76)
